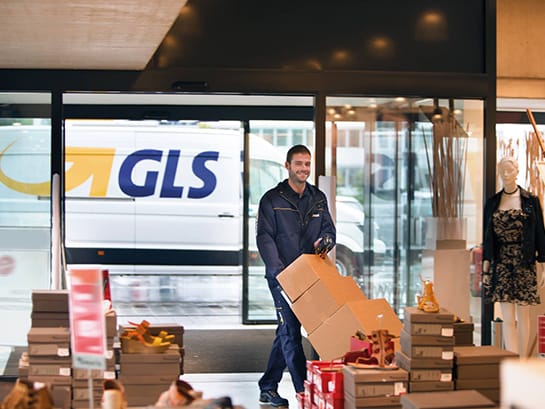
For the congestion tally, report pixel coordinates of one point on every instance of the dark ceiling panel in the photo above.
(390, 35)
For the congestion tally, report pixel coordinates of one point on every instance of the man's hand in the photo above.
(323, 245)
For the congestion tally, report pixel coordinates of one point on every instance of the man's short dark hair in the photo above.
(296, 149)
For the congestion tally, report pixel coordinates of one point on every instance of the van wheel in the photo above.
(346, 263)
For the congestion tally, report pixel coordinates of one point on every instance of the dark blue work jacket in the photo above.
(285, 230)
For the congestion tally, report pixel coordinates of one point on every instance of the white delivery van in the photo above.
(158, 194)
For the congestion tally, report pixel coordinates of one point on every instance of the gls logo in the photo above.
(168, 188)
(95, 164)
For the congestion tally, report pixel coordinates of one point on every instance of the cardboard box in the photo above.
(323, 298)
(359, 375)
(50, 300)
(446, 400)
(426, 328)
(430, 375)
(361, 383)
(485, 354)
(52, 370)
(51, 379)
(61, 350)
(331, 340)
(410, 363)
(169, 356)
(430, 386)
(436, 340)
(48, 335)
(478, 371)
(299, 276)
(463, 333)
(351, 402)
(426, 351)
(490, 383)
(413, 314)
(329, 379)
(62, 396)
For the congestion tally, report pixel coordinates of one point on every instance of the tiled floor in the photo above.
(240, 387)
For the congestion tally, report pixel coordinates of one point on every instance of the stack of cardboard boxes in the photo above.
(427, 350)
(49, 361)
(146, 376)
(49, 356)
(478, 368)
(332, 308)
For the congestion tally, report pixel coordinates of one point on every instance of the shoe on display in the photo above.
(272, 398)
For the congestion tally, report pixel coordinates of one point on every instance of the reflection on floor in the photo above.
(241, 387)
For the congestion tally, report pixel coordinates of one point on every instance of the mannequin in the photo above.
(513, 255)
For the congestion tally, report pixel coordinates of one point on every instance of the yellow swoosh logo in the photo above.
(95, 163)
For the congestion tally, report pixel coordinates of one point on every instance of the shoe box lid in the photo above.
(408, 362)
(413, 314)
(485, 354)
(446, 400)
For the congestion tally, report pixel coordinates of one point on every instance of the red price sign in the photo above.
(87, 325)
(541, 335)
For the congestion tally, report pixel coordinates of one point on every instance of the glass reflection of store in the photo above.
(409, 163)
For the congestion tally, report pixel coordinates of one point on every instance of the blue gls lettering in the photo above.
(168, 189)
(206, 175)
(125, 180)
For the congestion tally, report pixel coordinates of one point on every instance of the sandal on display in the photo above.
(427, 301)
(138, 345)
(144, 327)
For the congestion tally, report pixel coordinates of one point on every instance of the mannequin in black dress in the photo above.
(514, 250)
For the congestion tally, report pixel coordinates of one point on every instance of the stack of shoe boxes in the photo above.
(463, 333)
(469, 399)
(365, 388)
(478, 368)
(172, 329)
(81, 377)
(49, 355)
(50, 308)
(323, 386)
(146, 376)
(427, 350)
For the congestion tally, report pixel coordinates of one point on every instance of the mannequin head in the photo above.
(508, 170)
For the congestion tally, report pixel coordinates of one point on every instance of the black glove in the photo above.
(324, 246)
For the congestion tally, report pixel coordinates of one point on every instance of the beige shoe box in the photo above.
(351, 402)
(443, 316)
(50, 370)
(433, 340)
(409, 363)
(361, 383)
(169, 356)
(446, 400)
(48, 335)
(431, 386)
(50, 301)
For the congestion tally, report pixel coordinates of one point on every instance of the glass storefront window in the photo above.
(407, 163)
(25, 216)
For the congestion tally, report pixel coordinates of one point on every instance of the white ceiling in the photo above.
(83, 34)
